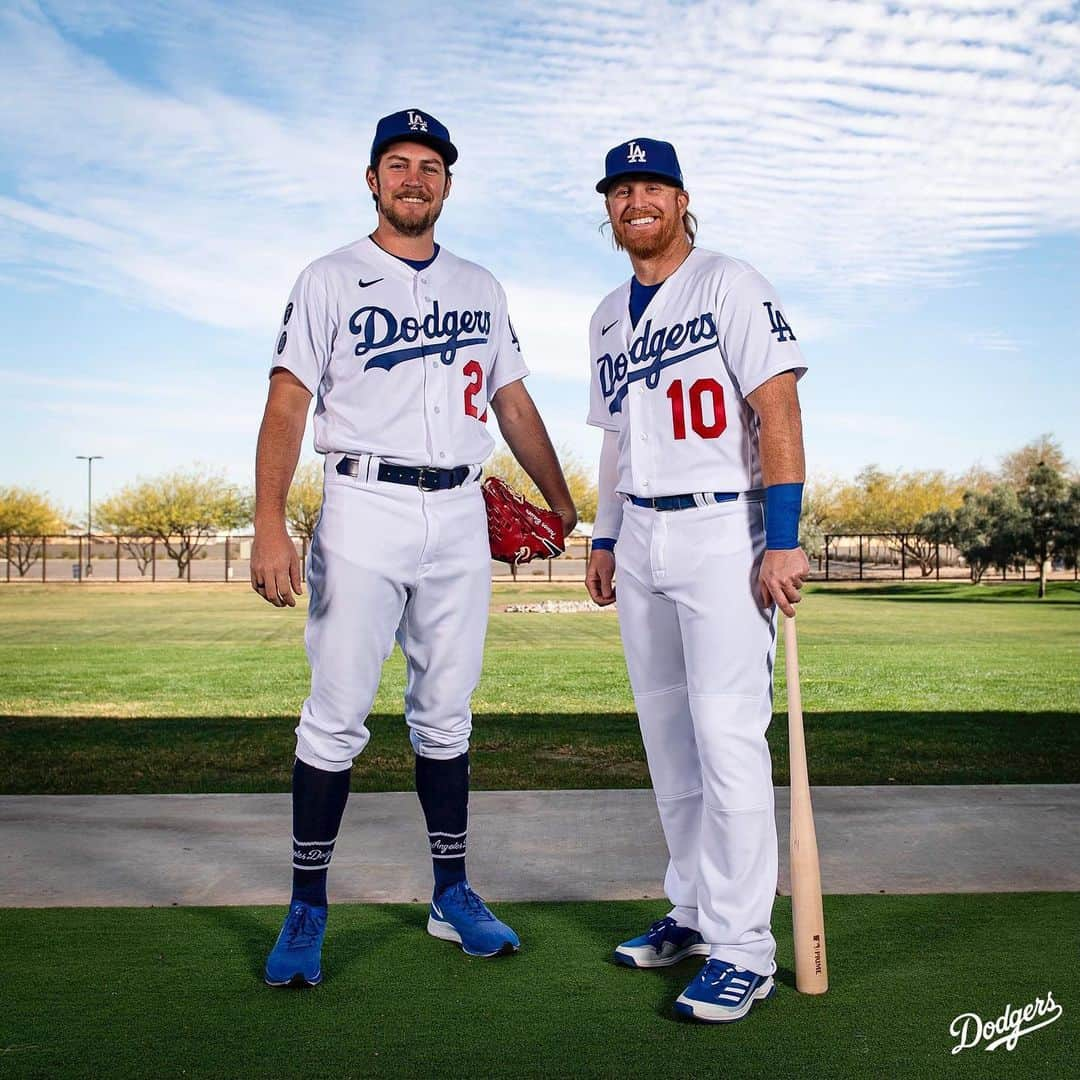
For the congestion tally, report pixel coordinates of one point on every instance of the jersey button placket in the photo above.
(640, 458)
(437, 391)
(429, 385)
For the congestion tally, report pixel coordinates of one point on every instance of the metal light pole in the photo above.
(89, 459)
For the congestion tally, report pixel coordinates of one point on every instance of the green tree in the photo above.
(1008, 528)
(182, 510)
(304, 502)
(988, 529)
(1043, 500)
(1069, 530)
(579, 480)
(25, 517)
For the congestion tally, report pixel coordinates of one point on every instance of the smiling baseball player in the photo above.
(693, 370)
(403, 346)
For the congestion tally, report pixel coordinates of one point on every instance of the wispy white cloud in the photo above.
(993, 341)
(838, 145)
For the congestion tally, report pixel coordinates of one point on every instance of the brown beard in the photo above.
(649, 247)
(409, 226)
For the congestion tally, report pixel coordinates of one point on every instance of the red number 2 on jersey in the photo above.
(697, 395)
(475, 374)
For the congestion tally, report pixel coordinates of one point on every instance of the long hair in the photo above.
(690, 225)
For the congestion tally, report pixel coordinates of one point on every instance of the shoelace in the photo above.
(658, 932)
(303, 928)
(474, 904)
(714, 971)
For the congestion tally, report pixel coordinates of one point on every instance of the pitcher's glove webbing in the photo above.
(519, 531)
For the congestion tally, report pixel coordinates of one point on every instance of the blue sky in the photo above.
(907, 175)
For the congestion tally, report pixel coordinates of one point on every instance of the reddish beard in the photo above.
(648, 247)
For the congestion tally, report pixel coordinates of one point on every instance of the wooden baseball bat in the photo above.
(807, 917)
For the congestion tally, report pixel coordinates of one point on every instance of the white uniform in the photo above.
(402, 364)
(671, 397)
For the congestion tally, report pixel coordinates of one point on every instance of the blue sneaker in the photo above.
(459, 915)
(296, 959)
(723, 992)
(663, 944)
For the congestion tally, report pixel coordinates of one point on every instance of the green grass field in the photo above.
(196, 688)
(178, 992)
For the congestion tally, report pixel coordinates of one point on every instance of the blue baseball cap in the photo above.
(412, 125)
(641, 156)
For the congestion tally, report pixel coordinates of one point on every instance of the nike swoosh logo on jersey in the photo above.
(364, 284)
(608, 327)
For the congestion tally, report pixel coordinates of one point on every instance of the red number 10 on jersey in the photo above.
(700, 391)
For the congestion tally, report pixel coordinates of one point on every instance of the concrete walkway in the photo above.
(159, 850)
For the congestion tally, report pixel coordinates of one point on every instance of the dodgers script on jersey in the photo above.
(675, 387)
(402, 362)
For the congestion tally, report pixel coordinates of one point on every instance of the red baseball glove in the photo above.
(518, 531)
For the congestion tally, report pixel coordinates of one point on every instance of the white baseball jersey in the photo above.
(675, 387)
(402, 362)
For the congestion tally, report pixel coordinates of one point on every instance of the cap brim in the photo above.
(603, 185)
(447, 151)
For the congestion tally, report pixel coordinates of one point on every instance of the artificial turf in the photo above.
(178, 992)
(110, 689)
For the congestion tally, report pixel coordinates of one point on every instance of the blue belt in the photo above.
(425, 478)
(684, 502)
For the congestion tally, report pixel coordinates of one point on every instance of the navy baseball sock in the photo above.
(318, 801)
(443, 787)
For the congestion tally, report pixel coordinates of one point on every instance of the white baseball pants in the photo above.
(389, 560)
(699, 650)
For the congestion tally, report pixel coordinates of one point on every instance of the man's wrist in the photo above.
(603, 543)
(269, 520)
(783, 505)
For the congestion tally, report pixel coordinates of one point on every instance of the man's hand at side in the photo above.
(781, 577)
(598, 577)
(275, 567)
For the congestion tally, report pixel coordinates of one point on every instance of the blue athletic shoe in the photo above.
(459, 915)
(723, 992)
(663, 944)
(296, 959)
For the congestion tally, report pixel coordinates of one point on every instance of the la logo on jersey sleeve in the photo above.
(779, 324)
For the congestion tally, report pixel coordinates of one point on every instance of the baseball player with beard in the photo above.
(693, 379)
(404, 346)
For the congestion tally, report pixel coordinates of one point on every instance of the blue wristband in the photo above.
(603, 543)
(783, 503)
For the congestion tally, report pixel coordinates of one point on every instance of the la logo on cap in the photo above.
(636, 153)
(418, 123)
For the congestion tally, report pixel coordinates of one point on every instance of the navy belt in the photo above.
(425, 478)
(684, 502)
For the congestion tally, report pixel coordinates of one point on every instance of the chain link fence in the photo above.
(100, 557)
(73, 559)
(908, 557)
